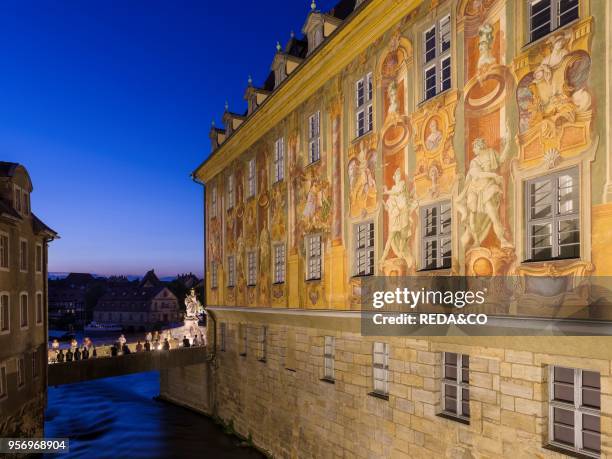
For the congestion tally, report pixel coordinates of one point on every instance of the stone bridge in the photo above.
(105, 366)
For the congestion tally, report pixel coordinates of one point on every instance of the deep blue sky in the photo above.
(108, 104)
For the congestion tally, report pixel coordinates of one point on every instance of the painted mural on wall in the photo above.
(362, 177)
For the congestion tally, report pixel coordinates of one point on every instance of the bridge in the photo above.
(105, 366)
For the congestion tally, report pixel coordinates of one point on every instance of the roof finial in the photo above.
(313, 5)
(226, 106)
(212, 123)
(292, 34)
(250, 81)
(278, 46)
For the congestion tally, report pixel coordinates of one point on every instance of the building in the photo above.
(423, 138)
(68, 300)
(138, 306)
(23, 306)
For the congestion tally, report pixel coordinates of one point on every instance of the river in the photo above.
(118, 418)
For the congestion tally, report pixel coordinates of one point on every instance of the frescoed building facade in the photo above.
(420, 138)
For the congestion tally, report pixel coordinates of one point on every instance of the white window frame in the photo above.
(251, 178)
(442, 234)
(365, 245)
(21, 377)
(3, 381)
(39, 313)
(556, 218)
(329, 354)
(231, 192)
(262, 346)
(214, 275)
(279, 160)
(442, 58)
(21, 317)
(279, 263)
(458, 383)
(231, 271)
(5, 251)
(23, 259)
(555, 17)
(5, 302)
(251, 268)
(364, 107)
(314, 137)
(576, 408)
(314, 257)
(222, 336)
(380, 368)
(38, 258)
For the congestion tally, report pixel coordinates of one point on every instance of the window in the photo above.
(279, 263)
(213, 202)
(231, 196)
(231, 271)
(328, 358)
(252, 178)
(23, 308)
(35, 364)
(364, 249)
(3, 384)
(20, 372)
(4, 251)
(5, 318)
(437, 58)
(314, 138)
(381, 368)
(251, 268)
(574, 410)
(436, 236)
(23, 255)
(25, 202)
(279, 160)
(553, 221)
(313, 257)
(17, 198)
(39, 308)
(456, 385)
(214, 275)
(39, 258)
(223, 336)
(364, 115)
(261, 344)
(548, 15)
(243, 340)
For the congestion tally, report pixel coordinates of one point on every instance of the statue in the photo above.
(399, 207)
(478, 203)
(392, 93)
(435, 135)
(362, 183)
(485, 43)
(193, 306)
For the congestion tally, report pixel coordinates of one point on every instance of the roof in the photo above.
(151, 279)
(343, 9)
(7, 169)
(130, 297)
(40, 227)
(7, 210)
(79, 278)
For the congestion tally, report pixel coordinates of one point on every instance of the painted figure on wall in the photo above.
(434, 137)
(393, 102)
(479, 202)
(362, 182)
(399, 207)
(485, 45)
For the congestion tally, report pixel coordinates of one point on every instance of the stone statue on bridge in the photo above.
(193, 306)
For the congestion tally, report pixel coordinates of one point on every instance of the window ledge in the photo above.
(451, 417)
(327, 380)
(358, 139)
(378, 395)
(292, 370)
(543, 39)
(553, 260)
(262, 360)
(442, 93)
(568, 452)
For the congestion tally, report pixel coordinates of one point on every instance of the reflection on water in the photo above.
(118, 418)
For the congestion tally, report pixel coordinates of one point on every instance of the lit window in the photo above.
(456, 385)
(575, 410)
(380, 368)
(279, 263)
(20, 372)
(252, 178)
(23, 309)
(231, 271)
(23, 255)
(214, 275)
(364, 114)
(223, 336)
(546, 16)
(251, 268)
(231, 196)
(39, 308)
(364, 249)
(39, 258)
(4, 251)
(279, 160)
(314, 138)
(5, 323)
(553, 221)
(437, 58)
(313, 257)
(261, 344)
(436, 236)
(328, 358)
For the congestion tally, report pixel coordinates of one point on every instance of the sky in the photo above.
(108, 104)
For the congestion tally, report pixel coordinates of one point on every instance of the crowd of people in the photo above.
(153, 341)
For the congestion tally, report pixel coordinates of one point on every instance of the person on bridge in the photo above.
(166, 345)
(113, 350)
(94, 352)
(69, 355)
(85, 353)
(73, 344)
(77, 354)
(55, 345)
(139, 346)
(126, 349)
(122, 340)
(149, 337)
(60, 356)
(147, 346)
(196, 341)
(186, 342)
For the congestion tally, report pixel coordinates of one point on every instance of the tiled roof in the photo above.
(7, 169)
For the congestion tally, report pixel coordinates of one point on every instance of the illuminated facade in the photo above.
(432, 138)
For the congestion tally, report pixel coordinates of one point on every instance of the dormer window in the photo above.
(25, 202)
(17, 198)
(364, 115)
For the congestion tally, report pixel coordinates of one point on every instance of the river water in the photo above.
(118, 418)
